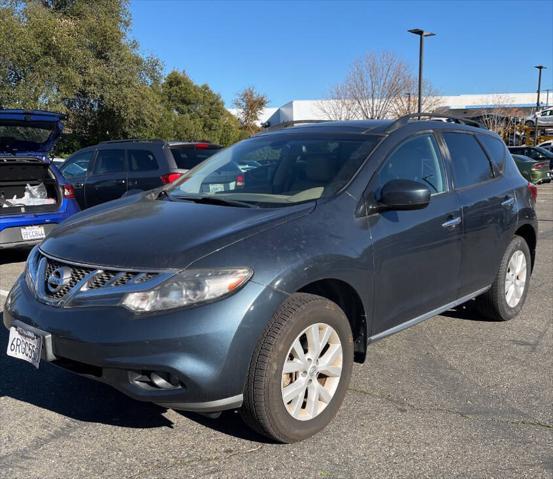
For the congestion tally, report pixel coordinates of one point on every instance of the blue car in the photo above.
(34, 196)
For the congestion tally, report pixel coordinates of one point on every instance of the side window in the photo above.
(417, 159)
(470, 163)
(109, 161)
(77, 165)
(142, 160)
(496, 150)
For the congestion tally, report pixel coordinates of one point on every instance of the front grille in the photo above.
(85, 278)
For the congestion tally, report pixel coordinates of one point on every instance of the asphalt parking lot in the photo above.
(455, 396)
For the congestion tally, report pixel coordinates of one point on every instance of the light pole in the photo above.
(421, 34)
(540, 68)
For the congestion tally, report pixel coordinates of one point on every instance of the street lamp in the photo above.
(421, 34)
(540, 68)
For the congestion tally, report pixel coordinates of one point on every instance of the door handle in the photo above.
(452, 223)
(78, 185)
(510, 201)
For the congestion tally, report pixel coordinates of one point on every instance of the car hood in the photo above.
(29, 132)
(159, 234)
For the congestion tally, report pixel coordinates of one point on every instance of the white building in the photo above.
(297, 110)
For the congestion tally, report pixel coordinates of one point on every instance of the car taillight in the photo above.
(240, 181)
(170, 178)
(69, 192)
(533, 191)
(202, 146)
(538, 166)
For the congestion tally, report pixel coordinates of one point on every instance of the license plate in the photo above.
(25, 345)
(29, 233)
(215, 188)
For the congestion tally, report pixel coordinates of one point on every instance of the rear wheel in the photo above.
(300, 370)
(505, 299)
(529, 123)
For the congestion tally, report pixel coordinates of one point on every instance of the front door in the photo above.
(108, 179)
(417, 253)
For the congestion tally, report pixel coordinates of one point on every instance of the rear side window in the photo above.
(187, 158)
(470, 164)
(109, 161)
(496, 150)
(77, 165)
(142, 160)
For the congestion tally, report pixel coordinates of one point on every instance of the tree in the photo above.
(370, 88)
(250, 104)
(407, 103)
(378, 85)
(195, 112)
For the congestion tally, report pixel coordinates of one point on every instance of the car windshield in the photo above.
(23, 135)
(277, 170)
(543, 153)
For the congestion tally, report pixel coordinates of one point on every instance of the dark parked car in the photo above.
(261, 298)
(112, 169)
(34, 197)
(535, 152)
(535, 171)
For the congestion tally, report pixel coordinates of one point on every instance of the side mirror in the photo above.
(404, 195)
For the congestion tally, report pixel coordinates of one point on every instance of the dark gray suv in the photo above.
(113, 169)
(261, 297)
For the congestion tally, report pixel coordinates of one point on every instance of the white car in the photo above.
(548, 145)
(544, 118)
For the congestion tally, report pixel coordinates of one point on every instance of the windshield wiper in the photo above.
(213, 200)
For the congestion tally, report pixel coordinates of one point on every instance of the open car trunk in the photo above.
(15, 175)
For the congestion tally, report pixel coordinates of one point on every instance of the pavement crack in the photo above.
(202, 459)
(403, 406)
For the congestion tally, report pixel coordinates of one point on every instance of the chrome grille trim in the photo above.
(88, 284)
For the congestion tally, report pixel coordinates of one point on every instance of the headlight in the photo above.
(188, 288)
(30, 268)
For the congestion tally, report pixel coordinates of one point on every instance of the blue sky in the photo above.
(299, 49)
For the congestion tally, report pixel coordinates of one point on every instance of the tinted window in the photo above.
(470, 163)
(142, 160)
(417, 159)
(496, 150)
(189, 157)
(109, 161)
(77, 165)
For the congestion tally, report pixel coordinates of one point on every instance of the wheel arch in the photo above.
(347, 297)
(528, 233)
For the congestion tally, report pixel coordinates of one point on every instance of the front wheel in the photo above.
(300, 370)
(506, 297)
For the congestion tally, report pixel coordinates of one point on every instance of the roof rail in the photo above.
(130, 140)
(286, 124)
(403, 120)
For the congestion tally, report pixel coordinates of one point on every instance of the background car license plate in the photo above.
(32, 233)
(215, 188)
(25, 345)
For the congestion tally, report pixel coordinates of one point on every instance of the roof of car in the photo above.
(381, 127)
(157, 140)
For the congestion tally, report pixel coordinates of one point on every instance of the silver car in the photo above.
(543, 117)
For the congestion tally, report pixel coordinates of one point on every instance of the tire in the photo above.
(494, 303)
(264, 409)
(529, 123)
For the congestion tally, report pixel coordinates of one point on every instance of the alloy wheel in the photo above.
(311, 371)
(515, 279)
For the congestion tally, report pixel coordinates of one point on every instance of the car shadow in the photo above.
(73, 396)
(15, 255)
(229, 423)
(467, 312)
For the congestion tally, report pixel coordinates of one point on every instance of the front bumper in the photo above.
(207, 348)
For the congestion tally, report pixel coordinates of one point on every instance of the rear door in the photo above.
(144, 169)
(108, 178)
(75, 171)
(487, 203)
